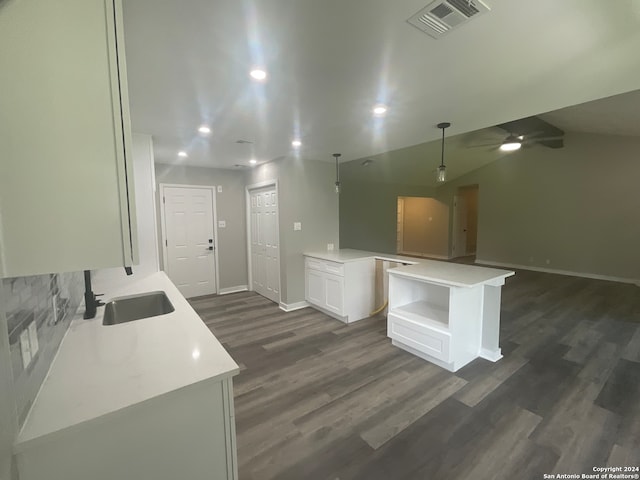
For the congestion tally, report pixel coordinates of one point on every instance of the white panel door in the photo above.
(189, 241)
(265, 255)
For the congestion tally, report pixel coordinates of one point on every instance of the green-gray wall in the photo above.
(230, 206)
(368, 211)
(576, 207)
(306, 194)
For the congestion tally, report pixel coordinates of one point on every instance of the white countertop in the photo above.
(444, 273)
(346, 255)
(102, 369)
(453, 274)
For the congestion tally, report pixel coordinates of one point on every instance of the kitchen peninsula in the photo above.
(148, 399)
(446, 313)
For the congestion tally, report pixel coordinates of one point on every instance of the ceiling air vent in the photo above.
(442, 16)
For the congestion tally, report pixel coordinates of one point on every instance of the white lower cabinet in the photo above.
(439, 323)
(188, 433)
(343, 290)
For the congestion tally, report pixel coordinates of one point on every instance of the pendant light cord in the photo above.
(337, 156)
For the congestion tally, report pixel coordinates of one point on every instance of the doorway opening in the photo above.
(464, 241)
(422, 227)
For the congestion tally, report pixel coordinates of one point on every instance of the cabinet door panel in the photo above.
(315, 288)
(63, 191)
(334, 293)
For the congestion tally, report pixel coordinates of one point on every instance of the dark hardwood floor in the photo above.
(317, 399)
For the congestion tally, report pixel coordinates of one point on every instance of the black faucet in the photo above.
(90, 301)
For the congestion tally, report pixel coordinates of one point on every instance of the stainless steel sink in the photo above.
(136, 307)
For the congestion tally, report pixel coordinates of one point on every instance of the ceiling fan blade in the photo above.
(494, 144)
(541, 139)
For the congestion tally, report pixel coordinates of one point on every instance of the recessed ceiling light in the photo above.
(204, 129)
(296, 143)
(258, 74)
(253, 161)
(379, 110)
(182, 154)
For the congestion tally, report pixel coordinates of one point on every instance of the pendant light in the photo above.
(337, 156)
(442, 170)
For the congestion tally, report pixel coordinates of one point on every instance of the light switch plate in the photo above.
(297, 226)
(219, 188)
(25, 348)
(222, 224)
(33, 338)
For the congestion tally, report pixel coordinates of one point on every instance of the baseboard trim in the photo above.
(293, 306)
(236, 289)
(491, 355)
(570, 273)
(424, 255)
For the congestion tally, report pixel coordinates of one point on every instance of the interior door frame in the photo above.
(163, 232)
(248, 189)
(455, 244)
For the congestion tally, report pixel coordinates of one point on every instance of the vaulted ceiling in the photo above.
(329, 62)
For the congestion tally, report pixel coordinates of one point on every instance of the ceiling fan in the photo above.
(527, 132)
(514, 141)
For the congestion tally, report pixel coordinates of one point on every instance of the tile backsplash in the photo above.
(50, 301)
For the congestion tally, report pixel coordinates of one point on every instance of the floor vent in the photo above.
(442, 16)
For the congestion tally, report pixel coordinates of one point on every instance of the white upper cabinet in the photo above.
(66, 181)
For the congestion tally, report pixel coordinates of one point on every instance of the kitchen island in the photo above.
(443, 312)
(446, 313)
(151, 398)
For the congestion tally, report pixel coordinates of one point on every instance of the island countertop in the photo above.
(346, 255)
(99, 369)
(437, 271)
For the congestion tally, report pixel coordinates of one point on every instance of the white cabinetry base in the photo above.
(189, 433)
(491, 355)
(425, 356)
(342, 290)
(447, 314)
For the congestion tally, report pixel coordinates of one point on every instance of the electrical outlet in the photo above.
(25, 348)
(330, 247)
(547, 261)
(33, 338)
(222, 224)
(297, 226)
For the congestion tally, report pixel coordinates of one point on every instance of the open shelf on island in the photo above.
(426, 313)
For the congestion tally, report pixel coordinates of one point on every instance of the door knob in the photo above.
(210, 248)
